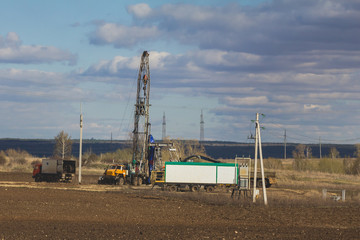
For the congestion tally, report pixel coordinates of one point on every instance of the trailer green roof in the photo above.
(201, 164)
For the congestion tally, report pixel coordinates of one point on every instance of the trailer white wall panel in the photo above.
(190, 174)
(226, 175)
(59, 168)
(49, 166)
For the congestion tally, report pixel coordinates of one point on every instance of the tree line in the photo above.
(303, 161)
(302, 156)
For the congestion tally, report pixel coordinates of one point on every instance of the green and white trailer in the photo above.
(194, 175)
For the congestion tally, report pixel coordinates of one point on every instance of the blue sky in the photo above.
(297, 62)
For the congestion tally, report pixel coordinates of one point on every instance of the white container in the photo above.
(227, 175)
(49, 166)
(200, 173)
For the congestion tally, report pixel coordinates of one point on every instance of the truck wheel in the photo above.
(37, 178)
(251, 183)
(195, 188)
(140, 181)
(135, 181)
(121, 181)
(209, 189)
(172, 188)
(259, 183)
(267, 183)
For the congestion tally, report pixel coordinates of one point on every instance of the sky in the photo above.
(295, 62)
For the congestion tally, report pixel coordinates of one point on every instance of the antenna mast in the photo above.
(164, 128)
(201, 126)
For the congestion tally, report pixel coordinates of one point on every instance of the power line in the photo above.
(127, 105)
(301, 137)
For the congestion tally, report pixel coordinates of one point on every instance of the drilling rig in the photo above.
(146, 152)
(139, 168)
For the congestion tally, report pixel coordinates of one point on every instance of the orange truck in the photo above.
(114, 174)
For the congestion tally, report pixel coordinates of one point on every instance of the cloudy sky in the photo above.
(297, 62)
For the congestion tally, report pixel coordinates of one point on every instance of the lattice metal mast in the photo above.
(141, 120)
(201, 126)
(164, 127)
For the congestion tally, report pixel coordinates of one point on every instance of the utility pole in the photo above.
(285, 145)
(164, 127)
(258, 146)
(80, 150)
(201, 126)
(255, 160)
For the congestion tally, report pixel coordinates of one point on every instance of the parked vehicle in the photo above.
(195, 175)
(54, 170)
(270, 179)
(114, 174)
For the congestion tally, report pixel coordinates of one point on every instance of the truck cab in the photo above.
(116, 170)
(114, 174)
(37, 172)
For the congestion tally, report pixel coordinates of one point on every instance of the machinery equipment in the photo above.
(141, 166)
(114, 174)
(146, 155)
(54, 170)
(195, 175)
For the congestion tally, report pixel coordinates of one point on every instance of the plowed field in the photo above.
(30, 210)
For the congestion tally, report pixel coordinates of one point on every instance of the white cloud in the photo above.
(123, 36)
(225, 43)
(226, 59)
(120, 65)
(14, 76)
(140, 10)
(12, 40)
(158, 59)
(12, 51)
(245, 101)
(296, 61)
(316, 107)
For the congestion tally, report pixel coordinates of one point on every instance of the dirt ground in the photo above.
(30, 210)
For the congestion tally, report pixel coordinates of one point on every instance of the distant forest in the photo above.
(215, 149)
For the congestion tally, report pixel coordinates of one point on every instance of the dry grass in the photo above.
(292, 188)
(315, 180)
(92, 171)
(296, 187)
(23, 167)
(17, 161)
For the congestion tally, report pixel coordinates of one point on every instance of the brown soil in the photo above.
(32, 210)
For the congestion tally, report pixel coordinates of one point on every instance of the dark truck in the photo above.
(54, 170)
